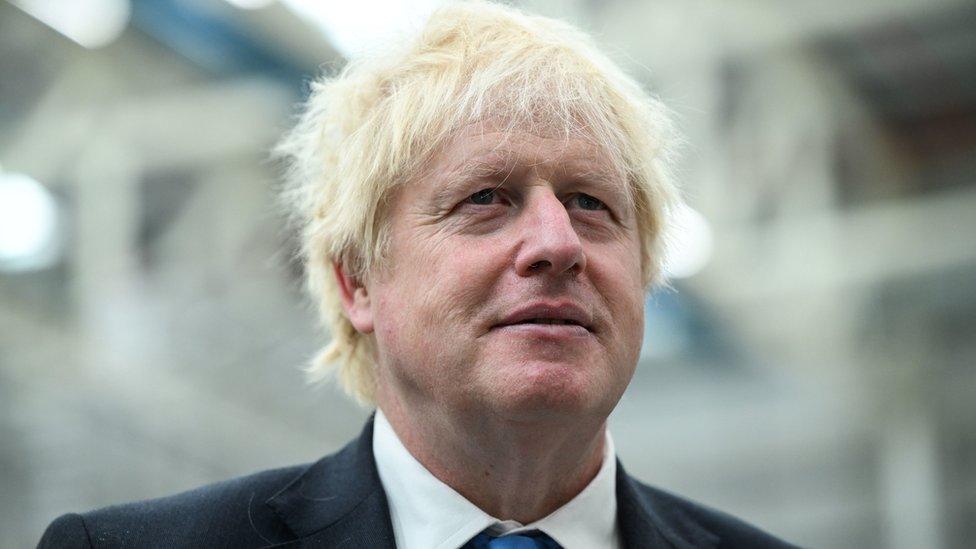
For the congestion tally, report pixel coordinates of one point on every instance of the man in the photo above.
(482, 215)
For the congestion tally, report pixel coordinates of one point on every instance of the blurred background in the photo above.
(811, 371)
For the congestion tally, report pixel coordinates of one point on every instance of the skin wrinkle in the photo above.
(497, 167)
(487, 168)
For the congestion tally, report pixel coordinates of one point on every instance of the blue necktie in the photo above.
(534, 540)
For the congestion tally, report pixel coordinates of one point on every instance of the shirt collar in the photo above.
(428, 513)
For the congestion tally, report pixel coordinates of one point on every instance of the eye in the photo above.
(483, 197)
(587, 202)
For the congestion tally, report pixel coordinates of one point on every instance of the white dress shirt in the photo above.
(428, 514)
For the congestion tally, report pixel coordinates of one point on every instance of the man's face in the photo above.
(512, 284)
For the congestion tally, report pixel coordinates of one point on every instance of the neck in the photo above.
(511, 469)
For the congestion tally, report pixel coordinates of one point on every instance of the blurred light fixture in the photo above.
(90, 23)
(353, 27)
(250, 4)
(689, 243)
(28, 223)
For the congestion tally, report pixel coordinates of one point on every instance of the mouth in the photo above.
(550, 321)
(553, 317)
(545, 322)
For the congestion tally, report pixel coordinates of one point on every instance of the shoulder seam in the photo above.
(84, 527)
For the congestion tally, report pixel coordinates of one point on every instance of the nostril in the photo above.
(539, 265)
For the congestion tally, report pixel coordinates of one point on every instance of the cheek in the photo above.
(628, 307)
(459, 282)
(433, 293)
(635, 306)
(621, 267)
(621, 284)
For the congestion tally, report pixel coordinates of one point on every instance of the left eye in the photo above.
(587, 202)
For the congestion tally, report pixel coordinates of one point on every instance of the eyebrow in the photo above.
(606, 180)
(488, 166)
(481, 167)
(500, 167)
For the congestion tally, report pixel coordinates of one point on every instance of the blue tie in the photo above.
(534, 540)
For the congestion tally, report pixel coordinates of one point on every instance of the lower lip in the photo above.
(545, 331)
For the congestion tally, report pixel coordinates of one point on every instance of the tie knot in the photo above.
(528, 540)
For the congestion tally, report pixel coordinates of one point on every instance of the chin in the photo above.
(550, 389)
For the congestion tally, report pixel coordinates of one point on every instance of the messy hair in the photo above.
(373, 126)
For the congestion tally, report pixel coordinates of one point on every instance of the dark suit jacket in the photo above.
(338, 501)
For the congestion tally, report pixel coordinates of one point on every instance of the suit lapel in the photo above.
(646, 523)
(338, 501)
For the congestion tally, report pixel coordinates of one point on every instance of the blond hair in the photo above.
(374, 125)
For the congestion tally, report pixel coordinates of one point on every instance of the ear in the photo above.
(355, 300)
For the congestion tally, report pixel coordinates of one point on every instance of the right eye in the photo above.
(483, 197)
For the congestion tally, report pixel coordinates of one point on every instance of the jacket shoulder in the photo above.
(731, 532)
(231, 513)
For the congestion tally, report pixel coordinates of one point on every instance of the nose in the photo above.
(549, 242)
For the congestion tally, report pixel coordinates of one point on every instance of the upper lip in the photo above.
(568, 312)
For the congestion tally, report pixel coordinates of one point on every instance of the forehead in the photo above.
(488, 146)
